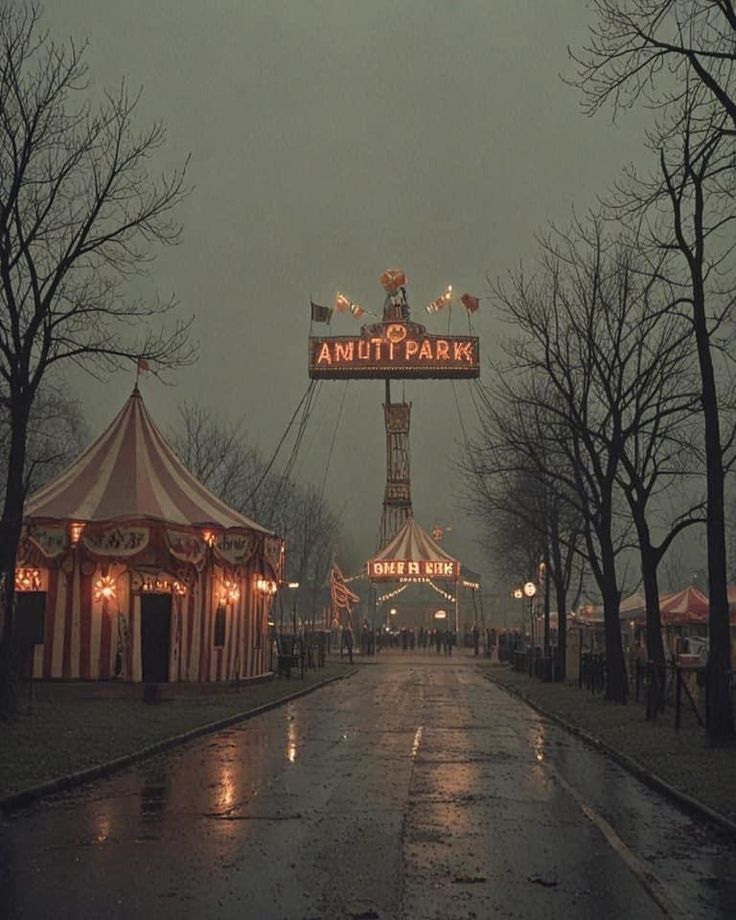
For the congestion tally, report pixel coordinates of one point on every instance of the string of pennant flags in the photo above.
(343, 304)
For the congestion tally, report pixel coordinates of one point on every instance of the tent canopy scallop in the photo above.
(130, 472)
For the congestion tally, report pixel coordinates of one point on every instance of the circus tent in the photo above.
(135, 570)
(412, 554)
(688, 607)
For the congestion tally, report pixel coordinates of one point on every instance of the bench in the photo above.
(289, 654)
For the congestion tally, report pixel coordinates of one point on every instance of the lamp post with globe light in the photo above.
(530, 589)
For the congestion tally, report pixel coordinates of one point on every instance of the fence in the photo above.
(592, 674)
(684, 686)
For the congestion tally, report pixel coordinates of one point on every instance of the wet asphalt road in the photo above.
(415, 789)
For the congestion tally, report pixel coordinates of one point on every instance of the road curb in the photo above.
(70, 780)
(628, 763)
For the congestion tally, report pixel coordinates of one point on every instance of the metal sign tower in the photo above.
(394, 349)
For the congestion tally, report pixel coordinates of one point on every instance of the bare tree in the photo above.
(525, 518)
(80, 214)
(679, 58)
(57, 432)
(605, 378)
(218, 454)
(649, 49)
(221, 457)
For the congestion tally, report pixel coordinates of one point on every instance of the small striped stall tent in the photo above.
(139, 572)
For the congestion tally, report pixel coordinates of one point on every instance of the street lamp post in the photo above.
(530, 589)
(293, 586)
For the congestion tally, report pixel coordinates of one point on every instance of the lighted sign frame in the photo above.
(394, 350)
(392, 569)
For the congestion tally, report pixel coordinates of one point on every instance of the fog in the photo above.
(331, 139)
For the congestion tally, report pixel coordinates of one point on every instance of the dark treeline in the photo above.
(615, 391)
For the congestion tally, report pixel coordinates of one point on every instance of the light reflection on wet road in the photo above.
(416, 789)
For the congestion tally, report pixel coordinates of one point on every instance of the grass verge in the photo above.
(68, 731)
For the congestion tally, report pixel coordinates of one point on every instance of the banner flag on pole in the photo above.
(470, 303)
(356, 310)
(342, 303)
(440, 302)
(320, 314)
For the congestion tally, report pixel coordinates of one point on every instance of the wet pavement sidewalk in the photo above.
(416, 789)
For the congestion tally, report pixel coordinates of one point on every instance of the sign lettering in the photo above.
(235, 548)
(116, 541)
(52, 541)
(413, 568)
(401, 351)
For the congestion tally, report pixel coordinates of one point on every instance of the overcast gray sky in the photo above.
(332, 139)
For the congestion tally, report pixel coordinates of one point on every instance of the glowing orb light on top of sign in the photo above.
(393, 279)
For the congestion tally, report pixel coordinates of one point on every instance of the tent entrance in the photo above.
(155, 637)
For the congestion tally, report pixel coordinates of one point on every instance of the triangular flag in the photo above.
(342, 304)
(356, 310)
(143, 365)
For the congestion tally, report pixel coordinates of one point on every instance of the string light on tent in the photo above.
(105, 588)
(159, 585)
(209, 537)
(27, 580)
(471, 584)
(266, 586)
(444, 594)
(229, 592)
(390, 594)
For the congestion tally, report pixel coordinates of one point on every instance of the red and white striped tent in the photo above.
(689, 607)
(412, 554)
(141, 573)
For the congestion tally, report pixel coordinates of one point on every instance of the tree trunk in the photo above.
(655, 646)
(718, 691)
(617, 690)
(10, 529)
(561, 595)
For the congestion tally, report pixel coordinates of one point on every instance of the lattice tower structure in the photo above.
(397, 494)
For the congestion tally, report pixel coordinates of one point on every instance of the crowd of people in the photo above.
(372, 641)
(427, 640)
(440, 640)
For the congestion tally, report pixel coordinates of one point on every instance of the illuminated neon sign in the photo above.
(394, 350)
(413, 568)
